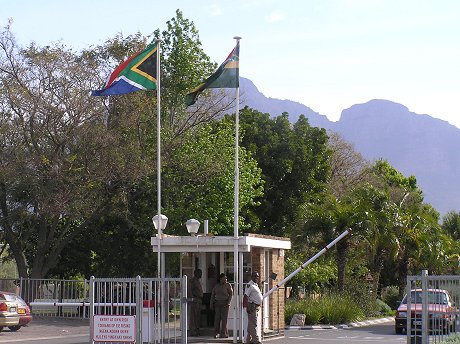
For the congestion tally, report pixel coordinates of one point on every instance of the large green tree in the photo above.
(451, 223)
(294, 163)
(61, 164)
(416, 237)
(336, 209)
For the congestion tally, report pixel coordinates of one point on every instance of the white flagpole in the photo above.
(236, 211)
(158, 161)
(159, 234)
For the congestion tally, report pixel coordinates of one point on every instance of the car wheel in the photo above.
(1, 328)
(399, 330)
(14, 328)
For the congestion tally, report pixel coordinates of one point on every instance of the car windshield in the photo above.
(434, 297)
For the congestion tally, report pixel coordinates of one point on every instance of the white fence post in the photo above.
(184, 311)
(424, 307)
(408, 312)
(91, 308)
(139, 303)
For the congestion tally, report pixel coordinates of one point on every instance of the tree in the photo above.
(184, 66)
(197, 160)
(348, 167)
(294, 163)
(69, 161)
(339, 207)
(413, 224)
(202, 174)
(61, 164)
(451, 223)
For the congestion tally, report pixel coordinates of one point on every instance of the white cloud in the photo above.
(275, 16)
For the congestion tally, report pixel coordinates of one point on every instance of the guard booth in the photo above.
(215, 254)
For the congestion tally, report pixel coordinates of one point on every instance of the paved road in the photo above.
(49, 330)
(76, 331)
(377, 334)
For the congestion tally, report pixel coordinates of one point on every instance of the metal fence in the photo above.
(432, 307)
(104, 301)
(137, 302)
(51, 297)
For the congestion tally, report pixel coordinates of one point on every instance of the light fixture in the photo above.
(192, 226)
(163, 221)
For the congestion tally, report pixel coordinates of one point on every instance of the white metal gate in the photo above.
(431, 305)
(140, 310)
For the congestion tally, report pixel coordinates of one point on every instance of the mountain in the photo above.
(251, 97)
(415, 144)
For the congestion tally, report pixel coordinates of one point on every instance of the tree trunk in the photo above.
(376, 271)
(10, 238)
(402, 269)
(342, 252)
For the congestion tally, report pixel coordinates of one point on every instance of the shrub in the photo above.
(339, 308)
(358, 291)
(306, 306)
(328, 309)
(383, 308)
(455, 339)
(390, 295)
(293, 306)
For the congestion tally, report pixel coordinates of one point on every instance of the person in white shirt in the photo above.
(252, 300)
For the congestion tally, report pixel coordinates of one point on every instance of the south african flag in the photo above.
(226, 76)
(138, 72)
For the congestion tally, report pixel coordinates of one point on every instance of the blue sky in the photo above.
(326, 54)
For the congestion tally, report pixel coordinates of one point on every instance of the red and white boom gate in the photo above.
(304, 265)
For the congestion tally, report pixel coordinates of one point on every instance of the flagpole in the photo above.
(158, 160)
(159, 220)
(236, 212)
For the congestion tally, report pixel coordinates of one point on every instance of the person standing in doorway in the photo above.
(221, 297)
(252, 300)
(196, 293)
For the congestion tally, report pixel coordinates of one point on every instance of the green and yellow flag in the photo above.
(226, 76)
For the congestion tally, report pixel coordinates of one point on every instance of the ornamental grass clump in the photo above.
(326, 309)
(455, 339)
(339, 309)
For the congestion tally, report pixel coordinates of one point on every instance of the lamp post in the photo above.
(163, 222)
(160, 223)
(192, 226)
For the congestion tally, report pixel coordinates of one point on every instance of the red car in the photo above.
(441, 312)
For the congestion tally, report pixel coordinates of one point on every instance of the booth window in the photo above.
(228, 266)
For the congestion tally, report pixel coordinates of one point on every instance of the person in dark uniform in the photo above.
(195, 292)
(221, 297)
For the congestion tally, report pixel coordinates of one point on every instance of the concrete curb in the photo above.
(341, 326)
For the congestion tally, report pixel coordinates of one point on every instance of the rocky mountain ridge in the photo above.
(415, 144)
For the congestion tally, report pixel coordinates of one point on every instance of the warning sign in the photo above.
(114, 328)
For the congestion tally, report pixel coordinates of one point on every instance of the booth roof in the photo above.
(211, 243)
